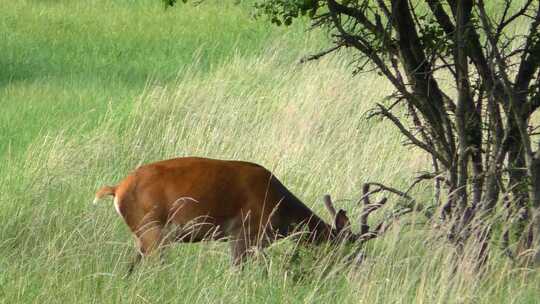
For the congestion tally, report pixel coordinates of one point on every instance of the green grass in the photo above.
(65, 61)
(206, 81)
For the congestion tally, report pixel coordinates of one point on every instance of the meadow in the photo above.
(91, 89)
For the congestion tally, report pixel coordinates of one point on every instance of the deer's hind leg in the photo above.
(148, 241)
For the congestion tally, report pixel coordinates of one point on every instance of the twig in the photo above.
(320, 54)
(385, 112)
(392, 190)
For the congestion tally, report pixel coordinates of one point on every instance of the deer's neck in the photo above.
(295, 214)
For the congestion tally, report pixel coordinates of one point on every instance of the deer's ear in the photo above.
(342, 221)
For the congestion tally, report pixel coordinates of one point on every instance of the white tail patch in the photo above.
(117, 205)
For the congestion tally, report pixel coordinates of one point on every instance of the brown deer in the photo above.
(194, 199)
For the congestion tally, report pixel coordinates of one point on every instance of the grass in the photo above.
(78, 114)
(74, 60)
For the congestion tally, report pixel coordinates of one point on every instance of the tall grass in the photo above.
(65, 61)
(306, 123)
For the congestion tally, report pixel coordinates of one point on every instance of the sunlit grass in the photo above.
(66, 61)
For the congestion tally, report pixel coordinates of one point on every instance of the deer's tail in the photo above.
(104, 191)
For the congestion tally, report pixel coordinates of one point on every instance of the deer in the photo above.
(210, 199)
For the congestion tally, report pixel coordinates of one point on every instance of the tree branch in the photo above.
(321, 54)
(430, 149)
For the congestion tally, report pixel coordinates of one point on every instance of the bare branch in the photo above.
(358, 15)
(488, 30)
(391, 190)
(505, 22)
(365, 48)
(320, 54)
(430, 149)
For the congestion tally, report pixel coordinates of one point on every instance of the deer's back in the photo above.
(183, 189)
